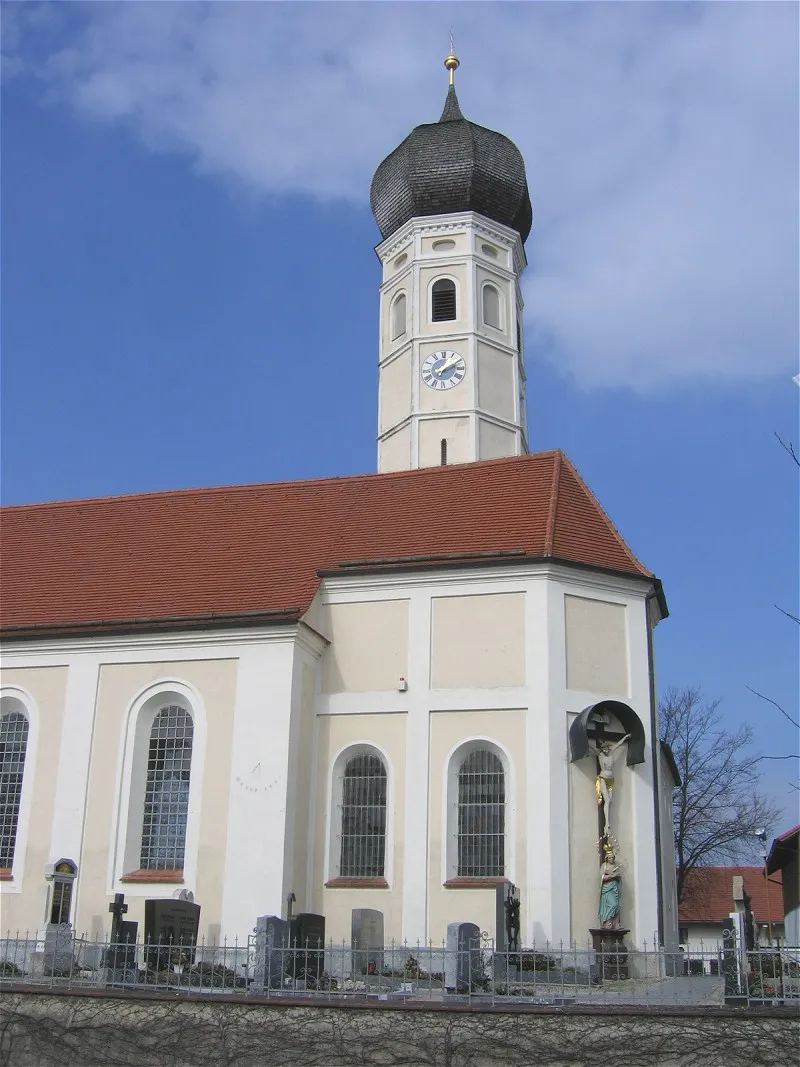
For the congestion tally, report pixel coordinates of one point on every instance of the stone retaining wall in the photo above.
(42, 1029)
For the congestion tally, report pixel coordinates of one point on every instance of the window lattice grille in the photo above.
(13, 743)
(481, 816)
(443, 300)
(363, 818)
(166, 800)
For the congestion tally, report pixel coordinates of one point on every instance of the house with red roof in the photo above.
(709, 898)
(404, 691)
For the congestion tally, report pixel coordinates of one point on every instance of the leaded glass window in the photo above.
(166, 799)
(13, 744)
(481, 816)
(363, 818)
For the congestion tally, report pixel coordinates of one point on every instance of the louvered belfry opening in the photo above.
(443, 300)
(363, 818)
(481, 816)
(166, 800)
(13, 745)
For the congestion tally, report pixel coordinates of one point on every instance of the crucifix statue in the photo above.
(604, 750)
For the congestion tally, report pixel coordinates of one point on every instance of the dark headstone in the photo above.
(463, 965)
(170, 932)
(272, 954)
(366, 939)
(120, 956)
(307, 933)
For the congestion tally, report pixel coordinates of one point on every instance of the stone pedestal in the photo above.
(612, 955)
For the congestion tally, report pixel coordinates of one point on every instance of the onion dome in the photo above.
(448, 166)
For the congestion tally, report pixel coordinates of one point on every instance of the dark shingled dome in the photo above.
(452, 165)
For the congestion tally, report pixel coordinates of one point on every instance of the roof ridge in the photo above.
(249, 486)
(607, 520)
(549, 535)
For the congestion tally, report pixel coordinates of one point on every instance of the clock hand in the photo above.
(447, 364)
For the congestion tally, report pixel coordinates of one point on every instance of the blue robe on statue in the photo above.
(609, 900)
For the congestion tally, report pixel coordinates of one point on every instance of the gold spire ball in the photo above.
(452, 63)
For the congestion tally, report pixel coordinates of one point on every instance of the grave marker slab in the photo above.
(366, 939)
(307, 932)
(463, 969)
(170, 932)
(272, 952)
(59, 949)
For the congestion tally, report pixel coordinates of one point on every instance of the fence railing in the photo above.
(546, 974)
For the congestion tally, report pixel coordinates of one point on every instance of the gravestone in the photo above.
(463, 965)
(366, 939)
(120, 956)
(272, 953)
(307, 933)
(507, 930)
(58, 955)
(170, 932)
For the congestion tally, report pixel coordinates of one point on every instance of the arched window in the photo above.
(491, 307)
(166, 798)
(398, 316)
(443, 300)
(481, 816)
(13, 746)
(363, 847)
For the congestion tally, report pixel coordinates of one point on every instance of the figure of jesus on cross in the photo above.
(604, 783)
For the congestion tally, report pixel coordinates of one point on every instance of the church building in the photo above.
(391, 691)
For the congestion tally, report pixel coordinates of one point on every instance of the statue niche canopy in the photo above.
(630, 721)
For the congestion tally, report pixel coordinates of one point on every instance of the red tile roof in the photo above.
(257, 549)
(708, 894)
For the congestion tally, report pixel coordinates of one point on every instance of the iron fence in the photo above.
(545, 974)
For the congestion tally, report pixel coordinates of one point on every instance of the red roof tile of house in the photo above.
(257, 549)
(708, 894)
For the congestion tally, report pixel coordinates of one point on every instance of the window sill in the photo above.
(6, 874)
(474, 883)
(357, 883)
(153, 877)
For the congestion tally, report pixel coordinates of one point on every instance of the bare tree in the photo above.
(719, 805)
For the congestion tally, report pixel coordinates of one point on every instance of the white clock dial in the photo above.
(443, 370)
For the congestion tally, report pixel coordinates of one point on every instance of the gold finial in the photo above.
(452, 63)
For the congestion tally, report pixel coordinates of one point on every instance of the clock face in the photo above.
(443, 370)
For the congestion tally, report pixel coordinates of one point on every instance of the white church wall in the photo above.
(597, 646)
(395, 450)
(504, 732)
(41, 692)
(395, 391)
(369, 646)
(496, 442)
(496, 390)
(455, 429)
(112, 830)
(337, 736)
(478, 642)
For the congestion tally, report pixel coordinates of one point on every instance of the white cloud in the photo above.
(660, 140)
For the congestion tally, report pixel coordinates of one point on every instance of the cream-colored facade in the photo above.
(415, 669)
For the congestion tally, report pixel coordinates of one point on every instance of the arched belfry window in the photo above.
(443, 300)
(363, 842)
(492, 311)
(166, 798)
(481, 816)
(398, 316)
(13, 747)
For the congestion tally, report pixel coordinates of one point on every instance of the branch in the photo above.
(796, 756)
(769, 700)
(788, 447)
(788, 614)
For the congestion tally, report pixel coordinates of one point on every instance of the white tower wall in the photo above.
(483, 415)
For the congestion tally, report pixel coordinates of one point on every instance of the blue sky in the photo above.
(190, 292)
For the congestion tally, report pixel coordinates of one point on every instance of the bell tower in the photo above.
(453, 208)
